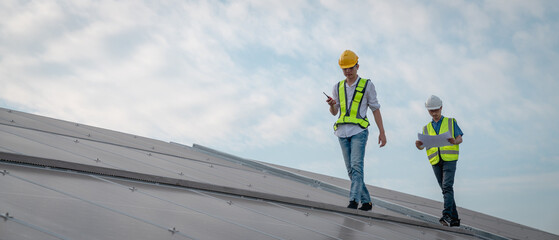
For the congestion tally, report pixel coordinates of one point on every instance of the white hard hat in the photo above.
(433, 102)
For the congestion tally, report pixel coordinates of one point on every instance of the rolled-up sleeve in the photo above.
(372, 100)
(335, 96)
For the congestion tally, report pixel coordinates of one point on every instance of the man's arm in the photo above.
(378, 121)
(456, 140)
(332, 103)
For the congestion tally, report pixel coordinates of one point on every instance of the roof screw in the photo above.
(149, 154)
(153, 148)
(12, 121)
(77, 124)
(89, 134)
(173, 230)
(5, 172)
(307, 214)
(249, 185)
(97, 160)
(9, 111)
(6, 216)
(76, 141)
(211, 165)
(308, 196)
(182, 174)
(230, 202)
(133, 189)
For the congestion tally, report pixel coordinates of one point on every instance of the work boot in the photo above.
(445, 220)
(352, 204)
(455, 223)
(366, 206)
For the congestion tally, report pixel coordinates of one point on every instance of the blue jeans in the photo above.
(353, 150)
(444, 172)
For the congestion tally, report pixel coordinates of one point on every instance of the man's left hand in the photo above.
(382, 139)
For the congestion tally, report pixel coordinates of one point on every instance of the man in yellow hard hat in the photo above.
(352, 97)
(443, 159)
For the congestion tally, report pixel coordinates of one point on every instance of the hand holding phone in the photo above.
(330, 100)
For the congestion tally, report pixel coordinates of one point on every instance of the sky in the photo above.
(246, 77)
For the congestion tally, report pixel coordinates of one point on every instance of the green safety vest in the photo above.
(352, 116)
(448, 153)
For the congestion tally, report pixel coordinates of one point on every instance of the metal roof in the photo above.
(64, 180)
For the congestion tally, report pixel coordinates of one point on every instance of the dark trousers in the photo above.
(444, 172)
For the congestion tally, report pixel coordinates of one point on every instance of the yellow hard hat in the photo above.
(348, 59)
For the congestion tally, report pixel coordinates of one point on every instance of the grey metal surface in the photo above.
(49, 145)
(60, 184)
(490, 224)
(67, 205)
(378, 202)
(80, 132)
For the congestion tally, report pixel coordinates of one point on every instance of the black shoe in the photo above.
(352, 205)
(455, 223)
(366, 206)
(445, 220)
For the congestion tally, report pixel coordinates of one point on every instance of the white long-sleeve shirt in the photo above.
(369, 101)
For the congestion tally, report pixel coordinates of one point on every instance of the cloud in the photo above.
(246, 76)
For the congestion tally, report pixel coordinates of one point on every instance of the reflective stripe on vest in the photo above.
(353, 116)
(448, 153)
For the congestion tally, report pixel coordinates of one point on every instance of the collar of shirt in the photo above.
(437, 125)
(356, 81)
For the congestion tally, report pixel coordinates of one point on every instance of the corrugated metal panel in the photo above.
(472, 218)
(85, 206)
(53, 146)
(182, 192)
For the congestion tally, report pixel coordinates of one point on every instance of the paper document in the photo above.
(434, 141)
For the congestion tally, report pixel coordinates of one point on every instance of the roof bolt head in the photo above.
(6, 216)
(133, 189)
(5, 172)
(173, 230)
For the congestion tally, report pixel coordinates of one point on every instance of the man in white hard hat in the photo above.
(352, 97)
(443, 159)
